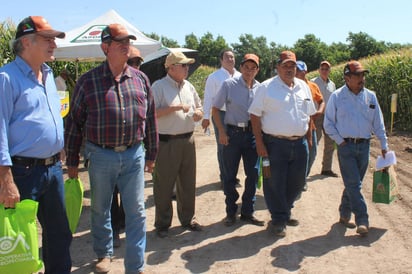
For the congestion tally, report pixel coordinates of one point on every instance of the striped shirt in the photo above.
(111, 113)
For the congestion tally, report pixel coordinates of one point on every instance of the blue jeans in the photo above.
(312, 152)
(353, 163)
(220, 146)
(126, 169)
(241, 145)
(45, 185)
(288, 161)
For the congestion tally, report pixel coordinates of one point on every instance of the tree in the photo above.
(209, 49)
(311, 50)
(191, 42)
(167, 42)
(258, 46)
(362, 45)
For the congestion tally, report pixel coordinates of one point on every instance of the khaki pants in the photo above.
(175, 164)
(328, 146)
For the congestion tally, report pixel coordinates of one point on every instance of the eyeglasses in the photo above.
(183, 65)
(134, 63)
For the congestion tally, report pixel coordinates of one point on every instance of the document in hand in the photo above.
(389, 160)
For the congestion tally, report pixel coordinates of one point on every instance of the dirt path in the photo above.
(317, 245)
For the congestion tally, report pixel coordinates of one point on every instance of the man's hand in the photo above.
(149, 166)
(205, 123)
(9, 193)
(73, 172)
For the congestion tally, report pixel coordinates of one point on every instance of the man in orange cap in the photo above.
(235, 134)
(352, 115)
(113, 108)
(31, 138)
(280, 115)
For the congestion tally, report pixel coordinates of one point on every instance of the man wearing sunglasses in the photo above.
(178, 107)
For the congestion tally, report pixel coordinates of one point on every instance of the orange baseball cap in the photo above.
(354, 67)
(250, 57)
(37, 24)
(287, 56)
(116, 32)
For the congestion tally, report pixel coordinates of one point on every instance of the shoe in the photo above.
(229, 220)
(362, 230)
(305, 187)
(279, 230)
(162, 233)
(329, 173)
(292, 222)
(346, 222)
(116, 240)
(252, 220)
(193, 226)
(103, 265)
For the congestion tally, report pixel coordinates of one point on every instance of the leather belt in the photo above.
(27, 161)
(168, 137)
(242, 129)
(356, 140)
(289, 138)
(114, 148)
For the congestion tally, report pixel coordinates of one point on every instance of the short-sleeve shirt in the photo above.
(283, 110)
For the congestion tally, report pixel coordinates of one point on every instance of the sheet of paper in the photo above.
(390, 159)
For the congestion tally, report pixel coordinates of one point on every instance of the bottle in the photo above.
(266, 167)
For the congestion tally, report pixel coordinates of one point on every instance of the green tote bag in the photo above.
(19, 247)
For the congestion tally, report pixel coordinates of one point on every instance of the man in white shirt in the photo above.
(280, 115)
(213, 83)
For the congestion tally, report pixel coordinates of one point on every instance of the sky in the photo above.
(282, 22)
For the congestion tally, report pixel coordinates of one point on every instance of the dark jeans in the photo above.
(241, 145)
(219, 146)
(45, 184)
(288, 162)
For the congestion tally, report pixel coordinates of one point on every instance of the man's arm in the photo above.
(257, 131)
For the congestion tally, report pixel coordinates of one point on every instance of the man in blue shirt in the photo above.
(31, 138)
(236, 136)
(352, 115)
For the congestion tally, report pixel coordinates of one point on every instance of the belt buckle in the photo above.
(119, 148)
(49, 161)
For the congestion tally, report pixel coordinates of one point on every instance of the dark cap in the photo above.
(116, 32)
(250, 57)
(354, 67)
(39, 25)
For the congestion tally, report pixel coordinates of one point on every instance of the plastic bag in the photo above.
(19, 247)
(73, 193)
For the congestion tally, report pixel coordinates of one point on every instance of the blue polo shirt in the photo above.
(237, 96)
(30, 120)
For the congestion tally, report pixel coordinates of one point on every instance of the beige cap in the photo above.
(177, 58)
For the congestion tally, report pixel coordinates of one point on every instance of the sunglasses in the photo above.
(183, 65)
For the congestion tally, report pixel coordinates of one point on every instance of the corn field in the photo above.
(389, 73)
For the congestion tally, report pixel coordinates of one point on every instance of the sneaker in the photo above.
(346, 222)
(362, 230)
(103, 265)
(229, 220)
(329, 173)
(292, 222)
(252, 220)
